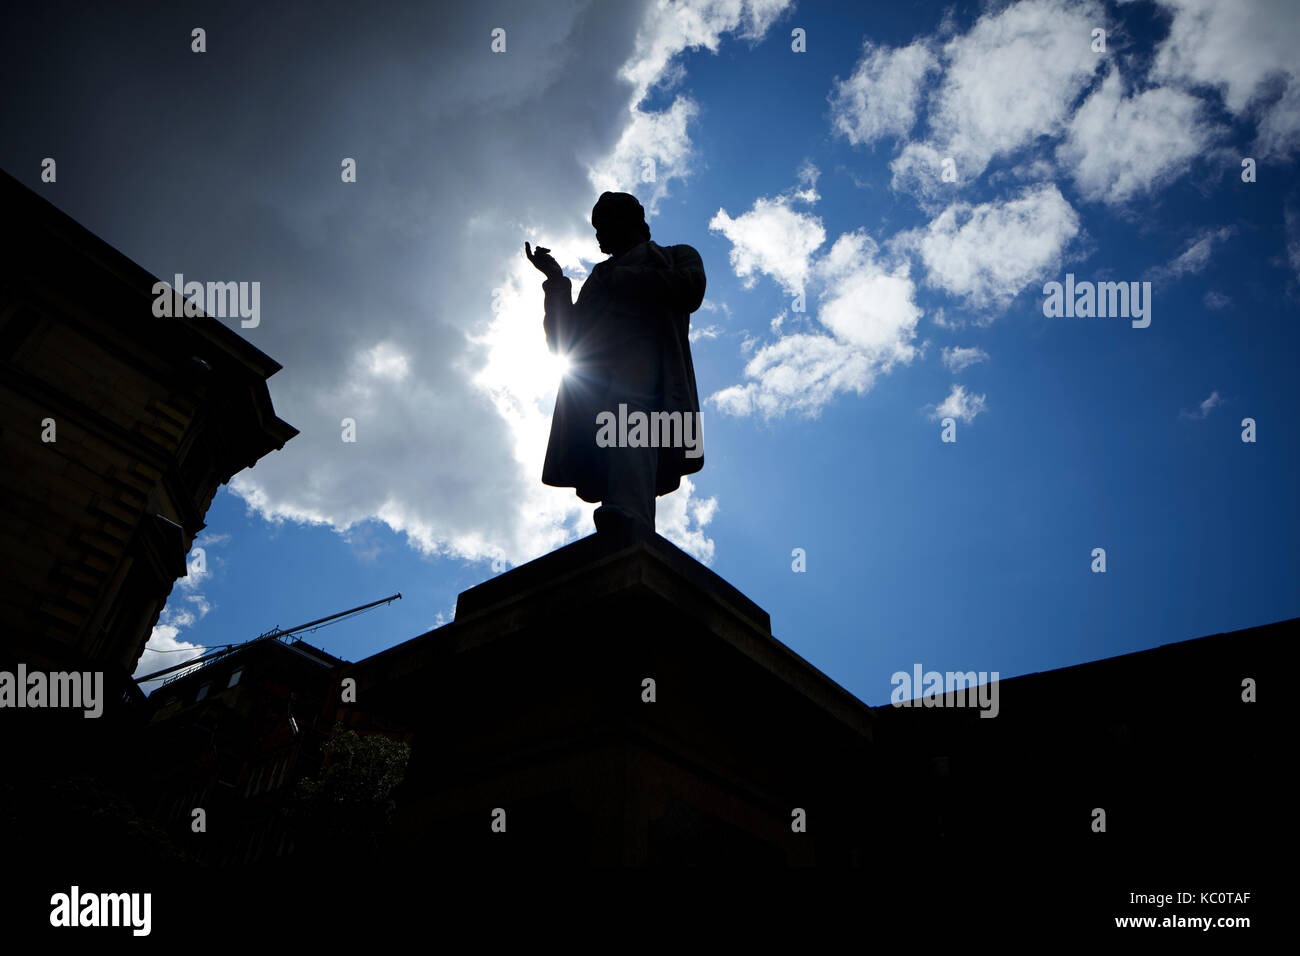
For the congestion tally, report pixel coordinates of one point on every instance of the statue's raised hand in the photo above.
(544, 262)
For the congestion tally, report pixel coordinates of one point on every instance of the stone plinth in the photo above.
(533, 701)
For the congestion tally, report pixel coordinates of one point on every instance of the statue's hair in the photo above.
(624, 209)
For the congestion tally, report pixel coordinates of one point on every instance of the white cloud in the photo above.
(1216, 300)
(1278, 133)
(772, 239)
(200, 564)
(797, 373)
(867, 305)
(1246, 50)
(880, 98)
(987, 253)
(185, 607)
(1203, 410)
(1192, 259)
(681, 518)
(1010, 79)
(1119, 147)
(957, 358)
(939, 316)
(708, 305)
(655, 147)
(386, 360)
(669, 28)
(163, 650)
(959, 405)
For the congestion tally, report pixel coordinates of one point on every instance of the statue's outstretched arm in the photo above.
(559, 319)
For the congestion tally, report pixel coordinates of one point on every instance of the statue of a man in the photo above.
(627, 416)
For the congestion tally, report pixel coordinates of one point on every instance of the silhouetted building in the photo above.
(1179, 747)
(231, 737)
(116, 429)
(619, 703)
(538, 740)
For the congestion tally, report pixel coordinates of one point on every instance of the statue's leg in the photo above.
(631, 472)
(631, 483)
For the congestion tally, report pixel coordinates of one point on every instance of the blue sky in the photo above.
(816, 171)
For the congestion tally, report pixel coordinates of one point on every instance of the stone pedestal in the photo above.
(534, 702)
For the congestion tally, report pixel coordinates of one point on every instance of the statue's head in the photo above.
(620, 223)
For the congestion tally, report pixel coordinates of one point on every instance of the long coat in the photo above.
(639, 301)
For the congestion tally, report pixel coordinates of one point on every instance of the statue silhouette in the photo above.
(626, 422)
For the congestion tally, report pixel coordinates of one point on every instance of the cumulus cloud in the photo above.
(959, 405)
(185, 608)
(1118, 147)
(986, 253)
(1010, 79)
(797, 373)
(682, 516)
(866, 307)
(655, 149)
(1010, 87)
(773, 239)
(672, 27)
(1278, 133)
(164, 649)
(1022, 83)
(1247, 51)
(957, 358)
(1010, 84)
(867, 303)
(880, 99)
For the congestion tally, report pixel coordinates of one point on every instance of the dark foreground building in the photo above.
(230, 739)
(116, 429)
(537, 742)
(621, 704)
(615, 703)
